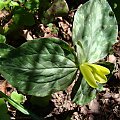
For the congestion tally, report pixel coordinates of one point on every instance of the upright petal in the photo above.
(88, 75)
(100, 69)
(100, 78)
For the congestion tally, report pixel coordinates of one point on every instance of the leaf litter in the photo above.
(106, 106)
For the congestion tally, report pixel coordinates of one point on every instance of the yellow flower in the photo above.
(94, 73)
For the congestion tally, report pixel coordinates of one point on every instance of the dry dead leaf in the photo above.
(94, 106)
(111, 59)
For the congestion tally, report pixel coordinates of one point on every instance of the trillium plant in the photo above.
(43, 66)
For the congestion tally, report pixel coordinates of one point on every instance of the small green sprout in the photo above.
(94, 73)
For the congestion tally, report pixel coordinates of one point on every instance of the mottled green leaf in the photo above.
(94, 30)
(40, 67)
(83, 93)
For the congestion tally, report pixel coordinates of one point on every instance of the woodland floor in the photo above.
(106, 106)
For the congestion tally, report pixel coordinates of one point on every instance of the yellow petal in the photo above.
(99, 78)
(87, 74)
(100, 69)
